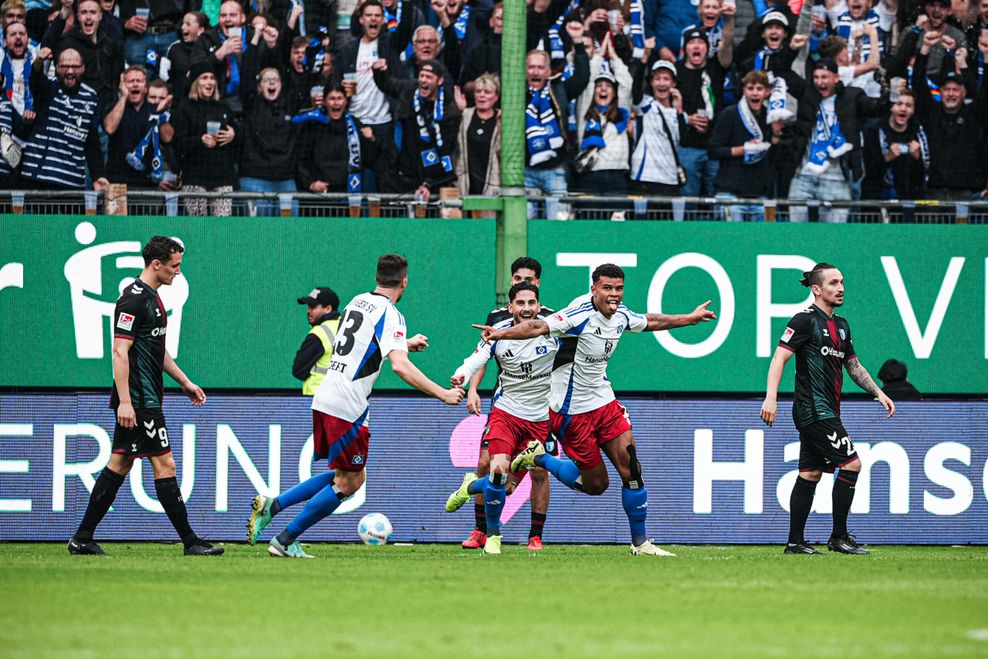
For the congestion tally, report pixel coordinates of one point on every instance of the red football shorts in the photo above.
(507, 434)
(582, 434)
(343, 443)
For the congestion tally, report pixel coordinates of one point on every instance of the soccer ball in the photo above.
(374, 529)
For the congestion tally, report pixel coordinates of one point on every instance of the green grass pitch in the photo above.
(147, 600)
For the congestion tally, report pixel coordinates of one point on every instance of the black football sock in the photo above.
(843, 496)
(480, 514)
(538, 522)
(170, 497)
(800, 503)
(104, 492)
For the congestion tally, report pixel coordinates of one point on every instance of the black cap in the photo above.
(321, 296)
(695, 33)
(199, 68)
(944, 3)
(892, 371)
(827, 63)
(953, 76)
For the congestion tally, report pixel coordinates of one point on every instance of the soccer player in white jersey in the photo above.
(520, 410)
(583, 413)
(371, 331)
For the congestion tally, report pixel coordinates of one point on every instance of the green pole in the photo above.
(512, 220)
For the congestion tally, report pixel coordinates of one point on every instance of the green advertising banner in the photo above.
(233, 318)
(914, 293)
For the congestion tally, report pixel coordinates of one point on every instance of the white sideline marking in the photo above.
(978, 634)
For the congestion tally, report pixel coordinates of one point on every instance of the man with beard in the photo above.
(64, 138)
(15, 65)
(102, 55)
(430, 120)
(137, 129)
(933, 21)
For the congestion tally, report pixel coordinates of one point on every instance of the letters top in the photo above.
(822, 345)
(140, 318)
(524, 368)
(371, 328)
(587, 342)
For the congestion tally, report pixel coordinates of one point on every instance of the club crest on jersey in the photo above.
(787, 335)
(843, 336)
(357, 460)
(541, 350)
(125, 321)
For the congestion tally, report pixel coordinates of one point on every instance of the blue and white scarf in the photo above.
(152, 141)
(430, 131)
(750, 122)
(393, 19)
(462, 22)
(888, 181)
(233, 64)
(637, 16)
(593, 130)
(318, 115)
(845, 28)
(827, 141)
(8, 78)
(543, 134)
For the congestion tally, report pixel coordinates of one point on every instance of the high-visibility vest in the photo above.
(326, 333)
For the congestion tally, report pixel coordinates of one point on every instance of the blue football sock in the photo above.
(635, 504)
(478, 486)
(320, 506)
(494, 496)
(564, 469)
(302, 492)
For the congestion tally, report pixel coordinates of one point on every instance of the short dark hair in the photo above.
(298, 42)
(832, 46)
(607, 270)
(892, 371)
(522, 286)
(161, 248)
(528, 263)
(814, 277)
(391, 269)
(201, 18)
(369, 3)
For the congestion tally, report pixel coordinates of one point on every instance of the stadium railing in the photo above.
(573, 206)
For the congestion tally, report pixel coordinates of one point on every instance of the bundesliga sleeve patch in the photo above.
(125, 321)
(787, 335)
(399, 335)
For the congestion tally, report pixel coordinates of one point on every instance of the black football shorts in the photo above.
(148, 439)
(824, 445)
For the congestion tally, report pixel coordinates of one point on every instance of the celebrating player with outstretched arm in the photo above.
(371, 331)
(583, 413)
(520, 411)
(821, 341)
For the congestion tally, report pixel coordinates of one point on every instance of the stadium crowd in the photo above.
(835, 101)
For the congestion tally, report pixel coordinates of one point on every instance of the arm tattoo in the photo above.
(860, 375)
(659, 321)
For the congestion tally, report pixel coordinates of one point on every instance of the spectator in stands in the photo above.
(400, 18)
(860, 27)
(659, 123)
(205, 138)
(15, 64)
(315, 17)
(716, 18)
(335, 148)
(150, 25)
(137, 130)
(546, 114)
(958, 160)
(12, 11)
(897, 154)
(545, 24)
(666, 21)
(934, 21)
(299, 78)
(111, 23)
(741, 140)
(232, 45)
(701, 81)
(160, 95)
(269, 137)
(895, 381)
(828, 129)
(462, 23)
(10, 122)
(861, 75)
(64, 138)
(478, 154)
(602, 125)
(430, 121)
(485, 57)
(102, 54)
(177, 60)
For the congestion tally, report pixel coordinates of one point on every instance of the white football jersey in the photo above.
(587, 341)
(525, 367)
(370, 329)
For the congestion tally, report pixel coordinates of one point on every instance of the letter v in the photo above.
(922, 342)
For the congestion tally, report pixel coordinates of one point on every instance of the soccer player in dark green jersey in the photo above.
(821, 341)
(139, 357)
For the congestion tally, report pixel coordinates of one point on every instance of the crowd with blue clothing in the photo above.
(800, 99)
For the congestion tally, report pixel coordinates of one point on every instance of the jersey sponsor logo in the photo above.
(787, 335)
(508, 353)
(526, 368)
(125, 321)
(597, 332)
(831, 352)
(608, 346)
(826, 333)
(159, 331)
(106, 267)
